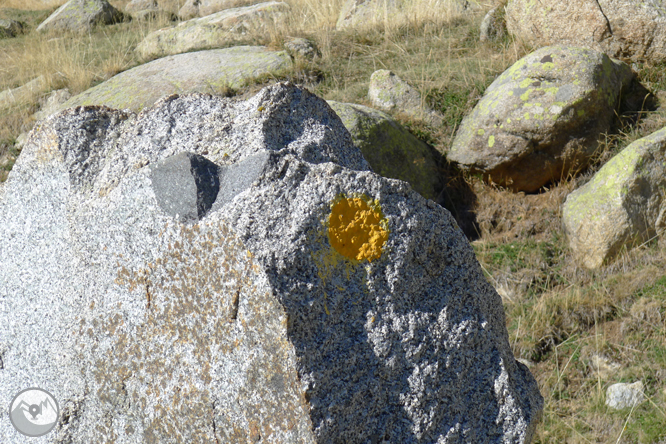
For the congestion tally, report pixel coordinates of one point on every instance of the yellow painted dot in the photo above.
(356, 230)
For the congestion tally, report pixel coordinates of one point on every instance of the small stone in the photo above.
(622, 395)
(303, 47)
(493, 26)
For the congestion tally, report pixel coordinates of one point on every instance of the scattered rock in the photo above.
(493, 26)
(361, 13)
(10, 28)
(389, 92)
(541, 119)
(52, 103)
(202, 8)
(144, 10)
(621, 28)
(212, 30)
(81, 16)
(320, 303)
(217, 70)
(623, 205)
(24, 93)
(390, 149)
(302, 47)
(603, 367)
(141, 5)
(622, 396)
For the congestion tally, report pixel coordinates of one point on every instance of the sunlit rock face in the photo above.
(212, 269)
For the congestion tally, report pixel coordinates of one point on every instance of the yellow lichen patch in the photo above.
(357, 228)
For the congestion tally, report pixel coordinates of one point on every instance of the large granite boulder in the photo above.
(623, 205)
(212, 30)
(390, 149)
(233, 272)
(542, 118)
(360, 13)
(216, 70)
(626, 29)
(81, 16)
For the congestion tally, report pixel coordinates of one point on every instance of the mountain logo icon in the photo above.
(34, 412)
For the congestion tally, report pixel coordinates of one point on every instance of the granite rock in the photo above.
(319, 302)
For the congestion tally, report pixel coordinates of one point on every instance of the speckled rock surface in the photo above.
(542, 117)
(360, 13)
(246, 324)
(390, 149)
(81, 16)
(623, 205)
(622, 28)
(212, 30)
(217, 69)
(389, 92)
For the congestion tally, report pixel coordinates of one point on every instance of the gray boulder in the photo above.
(361, 13)
(541, 119)
(627, 29)
(623, 205)
(390, 149)
(81, 16)
(148, 10)
(623, 396)
(212, 30)
(10, 28)
(216, 70)
(493, 26)
(300, 47)
(317, 302)
(52, 103)
(24, 93)
(389, 92)
(202, 8)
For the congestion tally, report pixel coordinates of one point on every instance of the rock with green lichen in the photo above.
(362, 13)
(390, 149)
(623, 205)
(542, 118)
(389, 92)
(626, 29)
(213, 30)
(216, 70)
(81, 16)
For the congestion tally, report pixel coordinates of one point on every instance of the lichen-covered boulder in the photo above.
(389, 92)
(623, 205)
(216, 70)
(220, 271)
(390, 149)
(81, 16)
(541, 119)
(621, 28)
(212, 30)
(361, 13)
